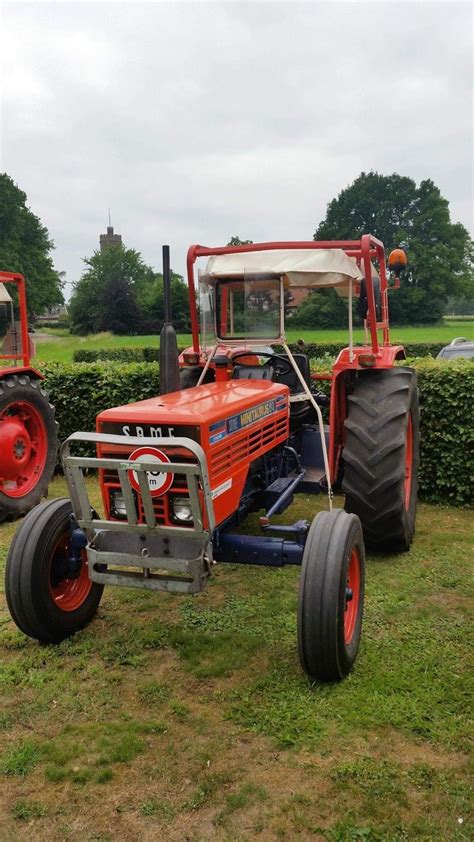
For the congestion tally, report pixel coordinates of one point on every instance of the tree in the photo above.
(25, 247)
(322, 308)
(120, 312)
(151, 302)
(120, 293)
(109, 278)
(236, 241)
(395, 210)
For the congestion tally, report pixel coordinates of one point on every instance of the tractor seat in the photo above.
(290, 378)
(271, 371)
(252, 372)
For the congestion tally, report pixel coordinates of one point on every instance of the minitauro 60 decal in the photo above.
(227, 426)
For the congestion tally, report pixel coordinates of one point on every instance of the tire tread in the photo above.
(373, 456)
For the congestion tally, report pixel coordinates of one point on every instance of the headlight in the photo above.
(117, 505)
(181, 509)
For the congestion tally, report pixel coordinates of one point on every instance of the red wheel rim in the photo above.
(352, 596)
(68, 594)
(24, 456)
(408, 461)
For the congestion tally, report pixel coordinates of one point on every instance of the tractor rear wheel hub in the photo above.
(16, 447)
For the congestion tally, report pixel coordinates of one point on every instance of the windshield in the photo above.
(206, 312)
(248, 308)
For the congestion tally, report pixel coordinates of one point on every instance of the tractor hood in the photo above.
(299, 267)
(239, 402)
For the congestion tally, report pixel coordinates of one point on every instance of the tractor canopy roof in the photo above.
(298, 267)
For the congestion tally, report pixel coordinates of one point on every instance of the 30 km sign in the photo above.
(159, 482)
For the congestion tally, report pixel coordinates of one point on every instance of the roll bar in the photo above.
(363, 250)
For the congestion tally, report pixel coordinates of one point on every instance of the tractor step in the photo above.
(279, 485)
(314, 474)
(314, 481)
(278, 496)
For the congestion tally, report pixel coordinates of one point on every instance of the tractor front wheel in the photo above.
(331, 597)
(381, 456)
(46, 599)
(28, 445)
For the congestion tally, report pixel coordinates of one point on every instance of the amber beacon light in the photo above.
(397, 261)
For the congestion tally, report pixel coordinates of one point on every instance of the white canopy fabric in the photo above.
(299, 267)
(4, 295)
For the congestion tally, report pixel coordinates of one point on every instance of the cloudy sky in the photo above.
(197, 121)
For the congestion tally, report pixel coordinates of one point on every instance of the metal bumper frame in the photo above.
(144, 555)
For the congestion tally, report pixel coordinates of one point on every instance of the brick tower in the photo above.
(109, 239)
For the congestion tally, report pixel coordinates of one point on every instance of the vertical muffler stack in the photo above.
(169, 366)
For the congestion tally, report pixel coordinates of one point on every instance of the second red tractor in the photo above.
(28, 430)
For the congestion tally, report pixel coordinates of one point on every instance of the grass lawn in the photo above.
(178, 718)
(58, 346)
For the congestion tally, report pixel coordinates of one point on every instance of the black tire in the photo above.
(32, 570)
(188, 377)
(329, 636)
(383, 408)
(22, 389)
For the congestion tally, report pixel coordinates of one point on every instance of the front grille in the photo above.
(160, 504)
(160, 508)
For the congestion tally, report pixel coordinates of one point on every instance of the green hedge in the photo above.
(447, 429)
(125, 355)
(81, 391)
(314, 350)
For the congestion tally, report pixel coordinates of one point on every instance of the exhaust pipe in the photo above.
(169, 366)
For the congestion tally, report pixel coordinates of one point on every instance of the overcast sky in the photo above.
(197, 121)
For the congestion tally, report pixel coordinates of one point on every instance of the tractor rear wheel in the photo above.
(331, 597)
(381, 457)
(28, 445)
(45, 600)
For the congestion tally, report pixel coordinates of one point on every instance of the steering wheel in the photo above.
(281, 365)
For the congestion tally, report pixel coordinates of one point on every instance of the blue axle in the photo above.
(252, 549)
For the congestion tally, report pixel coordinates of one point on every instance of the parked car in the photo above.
(459, 347)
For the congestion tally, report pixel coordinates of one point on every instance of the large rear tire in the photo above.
(381, 457)
(331, 597)
(28, 445)
(44, 602)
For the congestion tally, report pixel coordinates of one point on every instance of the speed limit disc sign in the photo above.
(159, 482)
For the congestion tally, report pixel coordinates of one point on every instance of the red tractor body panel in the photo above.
(20, 369)
(235, 423)
(28, 431)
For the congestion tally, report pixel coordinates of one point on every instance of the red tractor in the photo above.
(180, 472)
(28, 431)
